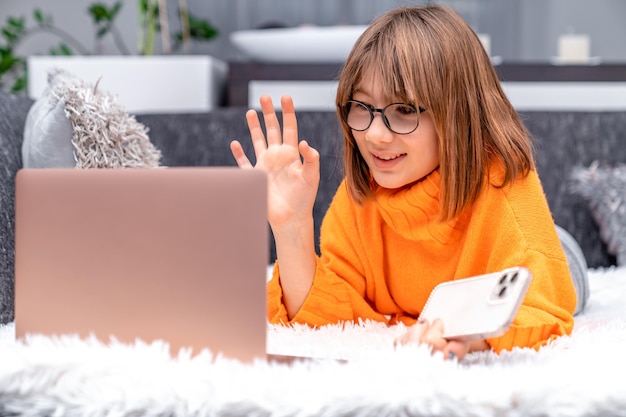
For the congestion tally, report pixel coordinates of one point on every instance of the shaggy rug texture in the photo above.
(579, 375)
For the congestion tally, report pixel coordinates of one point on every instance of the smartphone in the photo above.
(479, 307)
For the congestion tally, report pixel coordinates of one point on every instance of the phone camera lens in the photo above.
(502, 292)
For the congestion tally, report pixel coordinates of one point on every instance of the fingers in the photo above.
(431, 334)
(256, 133)
(311, 162)
(414, 334)
(272, 126)
(239, 155)
(272, 136)
(290, 123)
(434, 335)
(455, 349)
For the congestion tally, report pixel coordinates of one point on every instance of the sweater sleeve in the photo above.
(546, 312)
(526, 226)
(330, 300)
(339, 286)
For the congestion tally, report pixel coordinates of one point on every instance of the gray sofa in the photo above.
(564, 140)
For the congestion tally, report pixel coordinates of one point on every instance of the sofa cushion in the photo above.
(567, 139)
(74, 124)
(604, 188)
(13, 110)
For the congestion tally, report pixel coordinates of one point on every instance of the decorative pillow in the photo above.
(74, 124)
(604, 188)
(48, 132)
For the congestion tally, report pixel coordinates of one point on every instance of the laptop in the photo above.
(173, 254)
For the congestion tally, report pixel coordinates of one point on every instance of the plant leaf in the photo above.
(102, 31)
(143, 6)
(62, 50)
(16, 23)
(115, 9)
(39, 17)
(8, 62)
(65, 50)
(201, 29)
(10, 36)
(19, 85)
(99, 13)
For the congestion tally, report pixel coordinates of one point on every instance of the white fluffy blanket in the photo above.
(579, 375)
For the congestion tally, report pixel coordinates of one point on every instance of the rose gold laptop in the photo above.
(176, 254)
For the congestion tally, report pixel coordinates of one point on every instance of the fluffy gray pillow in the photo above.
(48, 132)
(74, 124)
(604, 188)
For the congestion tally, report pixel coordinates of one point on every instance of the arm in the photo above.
(343, 287)
(292, 188)
(526, 235)
(307, 290)
(546, 312)
(522, 233)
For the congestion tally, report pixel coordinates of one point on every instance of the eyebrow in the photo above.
(358, 89)
(395, 99)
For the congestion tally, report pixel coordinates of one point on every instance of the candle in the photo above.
(574, 48)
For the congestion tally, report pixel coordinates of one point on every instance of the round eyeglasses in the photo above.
(400, 118)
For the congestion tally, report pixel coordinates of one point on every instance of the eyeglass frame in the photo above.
(372, 110)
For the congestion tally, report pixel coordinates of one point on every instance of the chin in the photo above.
(390, 184)
(397, 184)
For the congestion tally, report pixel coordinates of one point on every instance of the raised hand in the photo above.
(292, 181)
(293, 173)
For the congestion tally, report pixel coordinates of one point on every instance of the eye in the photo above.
(404, 109)
(357, 107)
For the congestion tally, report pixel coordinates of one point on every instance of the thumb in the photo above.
(311, 162)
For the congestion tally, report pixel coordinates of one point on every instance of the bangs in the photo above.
(398, 57)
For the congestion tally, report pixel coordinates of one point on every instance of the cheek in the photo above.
(434, 151)
(435, 146)
(430, 139)
(359, 140)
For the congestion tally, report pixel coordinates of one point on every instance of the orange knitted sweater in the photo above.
(380, 260)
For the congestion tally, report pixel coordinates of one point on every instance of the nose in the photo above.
(378, 131)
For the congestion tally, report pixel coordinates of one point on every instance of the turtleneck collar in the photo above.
(413, 211)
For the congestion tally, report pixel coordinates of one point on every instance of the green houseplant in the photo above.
(153, 19)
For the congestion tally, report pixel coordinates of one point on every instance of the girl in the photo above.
(440, 184)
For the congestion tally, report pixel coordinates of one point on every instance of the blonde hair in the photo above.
(430, 57)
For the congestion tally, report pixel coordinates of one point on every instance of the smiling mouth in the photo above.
(388, 157)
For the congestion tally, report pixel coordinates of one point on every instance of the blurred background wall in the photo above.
(520, 30)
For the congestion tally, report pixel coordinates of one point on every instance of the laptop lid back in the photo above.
(178, 254)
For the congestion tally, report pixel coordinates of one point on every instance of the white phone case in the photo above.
(478, 307)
